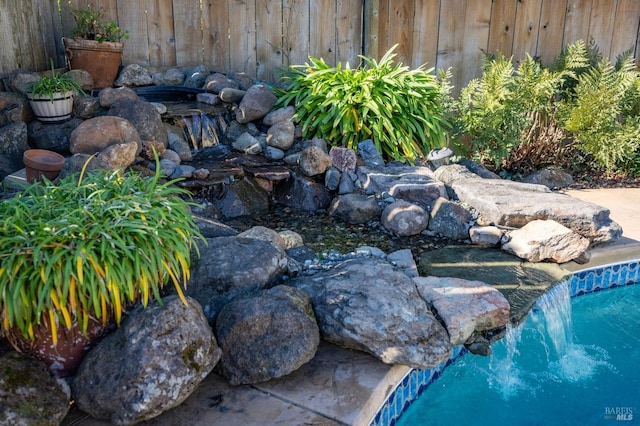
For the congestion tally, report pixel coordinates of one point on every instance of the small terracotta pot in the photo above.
(41, 162)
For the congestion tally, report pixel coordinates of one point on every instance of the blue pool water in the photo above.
(572, 362)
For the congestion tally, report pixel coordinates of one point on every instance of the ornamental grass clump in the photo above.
(88, 247)
(398, 108)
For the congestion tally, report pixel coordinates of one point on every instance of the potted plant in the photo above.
(76, 254)
(95, 45)
(51, 97)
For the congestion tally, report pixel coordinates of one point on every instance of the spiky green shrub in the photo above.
(398, 108)
(602, 113)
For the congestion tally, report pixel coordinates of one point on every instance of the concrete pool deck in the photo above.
(343, 387)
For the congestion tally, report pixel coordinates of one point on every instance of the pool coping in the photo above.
(595, 276)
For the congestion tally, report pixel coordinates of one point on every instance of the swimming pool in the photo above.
(499, 385)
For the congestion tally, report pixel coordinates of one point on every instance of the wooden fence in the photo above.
(261, 37)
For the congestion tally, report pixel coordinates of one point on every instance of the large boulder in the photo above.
(13, 144)
(29, 393)
(404, 219)
(150, 364)
(53, 137)
(368, 304)
(255, 104)
(96, 134)
(266, 335)
(229, 267)
(145, 118)
(450, 219)
(355, 208)
(302, 193)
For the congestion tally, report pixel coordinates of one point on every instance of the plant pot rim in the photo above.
(43, 159)
(81, 43)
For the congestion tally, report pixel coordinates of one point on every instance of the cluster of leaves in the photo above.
(49, 85)
(91, 25)
(582, 107)
(398, 108)
(81, 249)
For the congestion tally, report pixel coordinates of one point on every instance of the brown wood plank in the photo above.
(188, 32)
(269, 42)
(242, 36)
(322, 30)
(601, 24)
(503, 27)
(132, 17)
(371, 26)
(552, 21)
(525, 38)
(349, 27)
(8, 53)
(216, 35)
(463, 36)
(625, 27)
(425, 38)
(160, 34)
(400, 29)
(295, 32)
(576, 25)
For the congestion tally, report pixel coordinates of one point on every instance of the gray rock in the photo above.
(247, 144)
(302, 193)
(281, 135)
(355, 208)
(229, 267)
(145, 118)
(53, 137)
(218, 81)
(183, 172)
(109, 96)
(332, 178)
(367, 304)
(291, 239)
(243, 80)
(134, 75)
(403, 259)
(14, 107)
(171, 156)
(173, 77)
(29, 393)
(552, 177)
(196, 77)
(266, 335)
(485, 235)
(450, 219)
(243, 197)
(85, 107)
(179, 145)
(256, 103)
(211, 228)
(344, 159)
(273, 153)
(314, 161)
(264, 234)
(347, 185)
(279, 115)
(13, 144)
(208, 98)
(150, 364)
(231, 96)
(84, 79)
(478, 169)
(464, 306)
(542, 240)
(404, 219)
(450, 173)
(19, 80)
(118, 156)
(369, 153)
(235, 130)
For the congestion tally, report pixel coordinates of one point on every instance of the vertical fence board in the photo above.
(425, 33)
(8, 53)
(371, 28)
(132, 17)
(525, 40)
(552, 21)
(160, 34)
(626, 26)
(577, 21)
(242, 36)
(216, 47)
(349, 31)
(295, 32)
(399, 29)
(503, 27)
(188, 32)
(269, 42)
(51, 32)
(322, 26)
(603, 14)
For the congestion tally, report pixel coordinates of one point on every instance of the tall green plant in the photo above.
(398, 108)
(81, 249)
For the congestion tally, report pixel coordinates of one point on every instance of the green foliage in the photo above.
(398, 108)
(90, 25)
(602, 113)
(88, 247)
(49, 85)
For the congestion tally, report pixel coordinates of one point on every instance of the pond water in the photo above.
(573, 361)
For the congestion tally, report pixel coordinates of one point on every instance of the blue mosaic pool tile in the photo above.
(417, 381)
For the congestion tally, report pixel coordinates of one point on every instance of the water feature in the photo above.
(573, 361)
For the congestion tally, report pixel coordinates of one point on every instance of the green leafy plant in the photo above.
(398, 108)
(88, 247)
(602, 113)
(49, 85)
(91, 25)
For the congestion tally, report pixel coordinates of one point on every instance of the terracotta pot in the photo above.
(52, 111)
(63, 358)
(42, 163)
(100, 59)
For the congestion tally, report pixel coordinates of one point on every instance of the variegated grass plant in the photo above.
(89, 246)
(398, 108)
